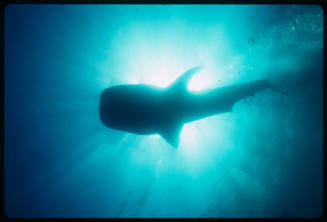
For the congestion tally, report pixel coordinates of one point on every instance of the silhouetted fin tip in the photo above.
(271, 86)
(182, 81)
(172, 134)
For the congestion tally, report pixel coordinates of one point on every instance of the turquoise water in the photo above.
(263, 159)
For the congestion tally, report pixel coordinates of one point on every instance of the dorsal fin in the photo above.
(182, 81)
(171, 134)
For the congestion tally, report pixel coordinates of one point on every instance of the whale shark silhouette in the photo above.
(147, 109)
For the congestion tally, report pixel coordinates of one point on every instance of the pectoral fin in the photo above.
(182, 81)
(172, 134)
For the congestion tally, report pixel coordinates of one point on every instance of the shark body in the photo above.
(146, 109)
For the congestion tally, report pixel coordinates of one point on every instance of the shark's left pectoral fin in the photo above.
(182, 81)
(172, 134)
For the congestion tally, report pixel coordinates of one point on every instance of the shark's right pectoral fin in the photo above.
(171, 134)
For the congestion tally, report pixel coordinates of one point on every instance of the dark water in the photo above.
(264, 159)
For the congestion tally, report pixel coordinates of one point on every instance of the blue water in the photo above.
(264, 159)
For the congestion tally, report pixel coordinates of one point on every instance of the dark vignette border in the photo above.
(4, 3)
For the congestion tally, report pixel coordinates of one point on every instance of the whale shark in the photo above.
(146, 109)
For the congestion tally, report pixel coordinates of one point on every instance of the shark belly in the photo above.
(145, 109)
